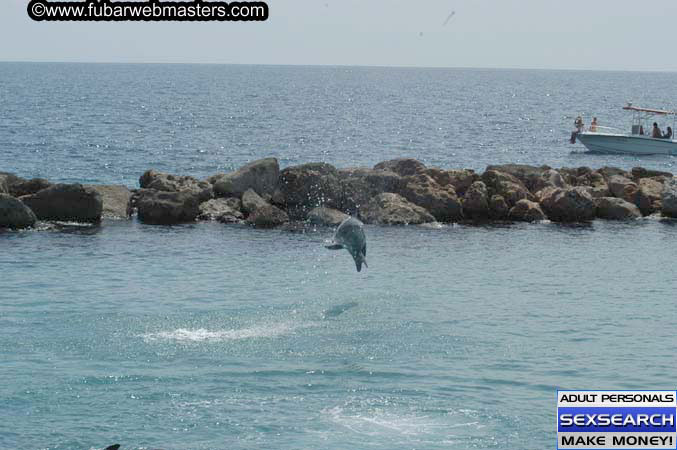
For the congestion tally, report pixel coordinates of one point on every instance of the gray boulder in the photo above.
(174, 183)
(251, 201)
(545, 192)
(278, 199)
(260, 213)
(308, 186)
(507, 186)
(608, 172)
(549, 178)
(360, 185)
(18, 187)
(526, 211)
(476, 202)
(402, 166)
(7, 180)
(597, 191)
(326, 217)
(440, 201)
(225, 210)
(669, 198)
(28, 187)
(648, 195)
(528, 176)
(640, 172)
(440, 176)
(14, 214)
(498, 208)
(4, 186)
(584, 176)
(261, 176)
(612, 208)
(393, 209)
(460, 179)
(572, 204)
(622, 187)
(267, 216)
(592, 178)
(572, 175)
(167, 208)
(66, 202)
(116, 200)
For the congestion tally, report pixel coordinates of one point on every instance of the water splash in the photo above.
(203, 335)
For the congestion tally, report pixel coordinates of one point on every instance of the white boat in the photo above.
(637, 142)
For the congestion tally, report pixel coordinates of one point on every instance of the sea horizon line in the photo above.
(351, 66)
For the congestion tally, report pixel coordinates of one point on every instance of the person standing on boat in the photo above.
(656, 132)
(578, 123)
(593, 125)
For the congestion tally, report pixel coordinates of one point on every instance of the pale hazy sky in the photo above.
(602, 34)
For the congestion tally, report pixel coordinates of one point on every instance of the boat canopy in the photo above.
(649, 110)
(641, 115)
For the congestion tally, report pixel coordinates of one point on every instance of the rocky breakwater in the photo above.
(395, 192)
(25, 202)
(404, 191)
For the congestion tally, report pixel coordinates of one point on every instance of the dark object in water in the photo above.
(339, 309)
(112, 447)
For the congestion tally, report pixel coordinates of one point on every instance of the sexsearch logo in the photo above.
(616, 420)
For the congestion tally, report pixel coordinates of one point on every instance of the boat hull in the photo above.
(630, 145)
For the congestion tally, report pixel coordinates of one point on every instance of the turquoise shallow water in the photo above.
(208, 336)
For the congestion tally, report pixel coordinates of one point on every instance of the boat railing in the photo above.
(604, 130)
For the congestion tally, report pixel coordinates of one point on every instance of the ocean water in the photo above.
(208, 336)
(109, 123)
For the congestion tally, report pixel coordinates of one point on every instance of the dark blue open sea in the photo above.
(209, 336)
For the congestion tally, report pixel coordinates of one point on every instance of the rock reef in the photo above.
(396, 192)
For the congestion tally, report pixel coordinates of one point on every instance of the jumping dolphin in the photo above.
(350, 235)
